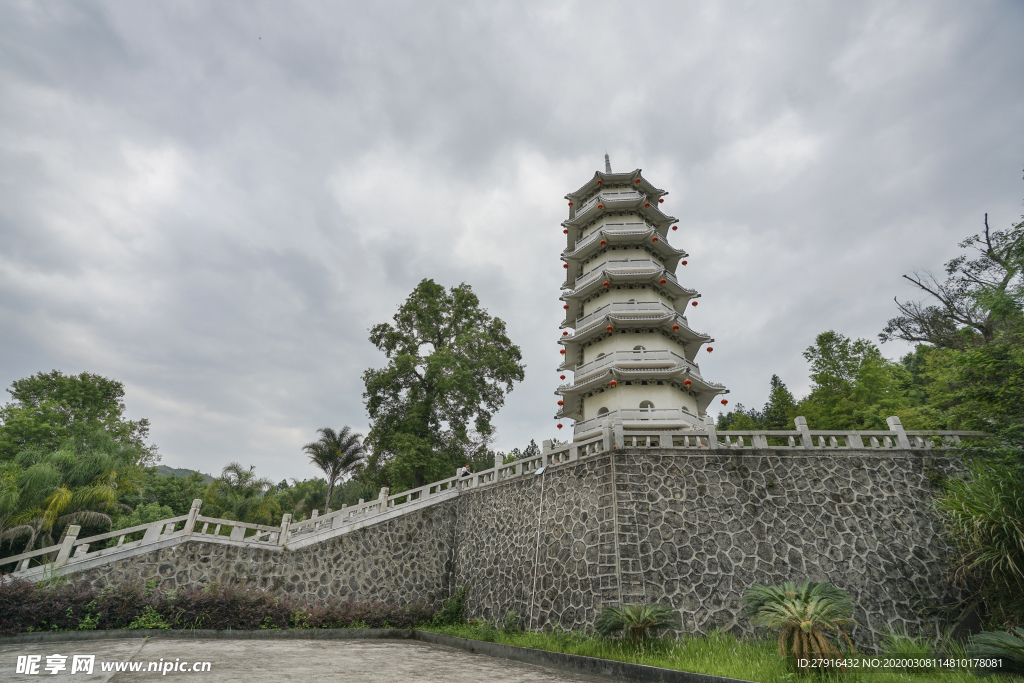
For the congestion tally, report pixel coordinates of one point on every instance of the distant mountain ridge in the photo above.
(181, 472)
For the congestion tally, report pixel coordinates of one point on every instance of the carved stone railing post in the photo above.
(618, 435)
(65, 547)
(285, 521)
(896, 426)
(193, 514)
(805, 432)
(709, 428)
(383, 499)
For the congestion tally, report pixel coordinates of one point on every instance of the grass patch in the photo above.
(717, 654)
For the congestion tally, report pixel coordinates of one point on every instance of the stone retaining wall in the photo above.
(644, 525)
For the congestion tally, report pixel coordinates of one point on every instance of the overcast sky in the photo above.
(214, 201)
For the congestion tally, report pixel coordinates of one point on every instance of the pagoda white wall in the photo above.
(626, 342)
(630, 397)
(617, 295)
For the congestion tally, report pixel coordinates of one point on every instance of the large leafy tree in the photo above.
(49, 408)
(854, 386)
(450, 366)
(336, 454)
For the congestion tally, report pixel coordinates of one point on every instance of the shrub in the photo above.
(637, 622)
(453, 610)
(31, 607)
(807, 616)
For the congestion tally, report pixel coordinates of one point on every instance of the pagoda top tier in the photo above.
(633, 179)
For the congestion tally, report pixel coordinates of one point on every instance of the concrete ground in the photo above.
(305, 661)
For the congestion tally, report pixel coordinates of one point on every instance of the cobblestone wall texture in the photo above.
(647, 525)
(401, 560)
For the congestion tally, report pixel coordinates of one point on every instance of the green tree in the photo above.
(49, 408)
(854, 386)
(337, 454)
(450, 366)
(79, 483)
(780, 409)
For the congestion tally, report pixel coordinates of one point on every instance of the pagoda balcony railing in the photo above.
(627, 308)
(641, 416)
(609, 196)
(633, 358)
(611, 229)
(638, 265)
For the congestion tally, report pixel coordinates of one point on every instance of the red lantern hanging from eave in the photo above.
(637, 180)
(647, 205)
(565, 334)
(561, 403)
(662, 281)
(600, 206)
(675, 227)
(675, 328)
(604, 242)
(559, 425)
(566, 307)
(565, 231)
(562, 351)
(565, 265)
(683, 262)
(725, 402)
(661, 201)
(613, 383)
(561, 377)
(693, 303)
(600, 182)
(654, 239)
(607, 284)
(710, 349)
(609, 328)
(687, 382)
(570, 203)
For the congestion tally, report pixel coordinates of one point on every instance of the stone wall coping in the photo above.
(578, 664)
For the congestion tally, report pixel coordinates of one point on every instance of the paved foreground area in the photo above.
(305, 661)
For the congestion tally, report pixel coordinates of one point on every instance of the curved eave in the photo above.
(613, 179)
(620, 237)
(620, 277)
(689, 339)
(652, 213)
(572, 394)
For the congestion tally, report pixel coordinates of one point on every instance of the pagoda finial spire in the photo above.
(607, 163)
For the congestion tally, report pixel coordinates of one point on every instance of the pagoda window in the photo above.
(646, 405)
(639, 348)
(602, 411)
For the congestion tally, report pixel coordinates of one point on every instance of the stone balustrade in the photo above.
(612, 434)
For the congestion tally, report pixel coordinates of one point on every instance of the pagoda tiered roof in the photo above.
(609, 204)
(645, 272)
(613, 237)
(601, 179)
(572, 394)
(690, 340)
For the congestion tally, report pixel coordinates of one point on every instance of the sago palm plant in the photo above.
(637, 622)
(807, 616)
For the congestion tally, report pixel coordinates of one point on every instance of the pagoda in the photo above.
(630, 347)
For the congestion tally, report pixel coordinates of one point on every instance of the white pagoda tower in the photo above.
(631, 349)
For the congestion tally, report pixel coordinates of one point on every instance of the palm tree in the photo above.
(637, 622)
(806, 616)
(239, 495)
(336, 454)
